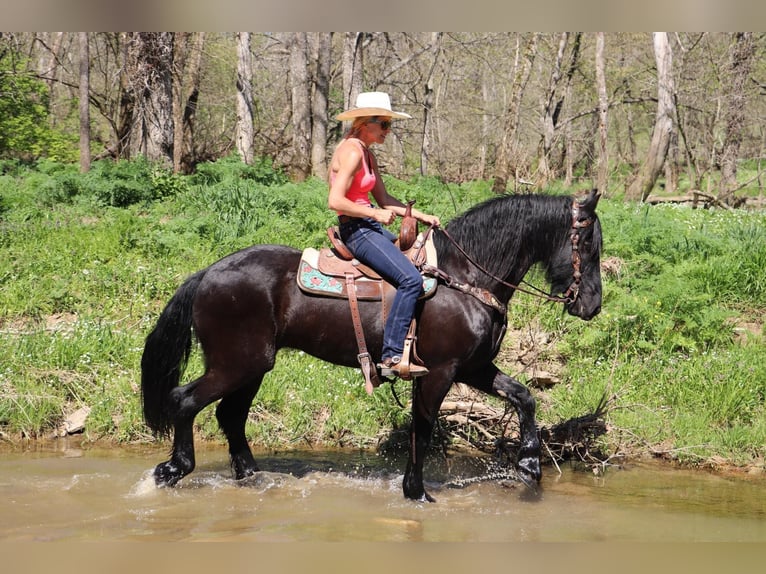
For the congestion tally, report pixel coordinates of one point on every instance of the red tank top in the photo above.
(363, 182)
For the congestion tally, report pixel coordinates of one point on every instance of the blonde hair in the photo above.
(356, 126)
(352, 132)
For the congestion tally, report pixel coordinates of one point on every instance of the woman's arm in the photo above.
(390, 203)
(346, 162)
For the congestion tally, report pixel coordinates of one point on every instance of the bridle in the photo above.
(572, 292)
(570, 295)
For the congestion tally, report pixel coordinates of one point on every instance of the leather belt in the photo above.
(346, 219)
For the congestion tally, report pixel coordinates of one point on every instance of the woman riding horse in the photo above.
(353, 177)
(247, 306)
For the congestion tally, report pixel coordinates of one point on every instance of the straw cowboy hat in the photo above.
(372, 104)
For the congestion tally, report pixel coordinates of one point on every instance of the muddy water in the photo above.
(61, 493)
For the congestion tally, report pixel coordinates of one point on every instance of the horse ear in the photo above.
(590, 201)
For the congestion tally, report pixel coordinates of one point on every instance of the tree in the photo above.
(84, 103)
(300, 90)
(476, 116)
(353, 56)
(187, 59)
(57, 51)
(321, 50)
(508, 155)
(549, 114)
(127, 100)
(428, 103)
(150, 77)
(243, 131)
(651, 168)
(49, 60)
(568, 154)
(603, 108)
(741, 54)
(23, 107)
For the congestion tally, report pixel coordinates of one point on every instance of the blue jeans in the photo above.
(373, 245)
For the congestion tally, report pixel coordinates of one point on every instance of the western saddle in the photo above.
(333, 271)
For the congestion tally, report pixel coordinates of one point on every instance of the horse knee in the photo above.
(518, 394)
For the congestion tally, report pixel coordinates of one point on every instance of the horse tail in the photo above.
(166, 353)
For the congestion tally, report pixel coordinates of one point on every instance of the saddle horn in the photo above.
(408, 231)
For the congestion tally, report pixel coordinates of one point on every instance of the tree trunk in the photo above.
(127, 100)
(548, 115)
(485, 123)
(84, 103)
(48, 61)
(322, 55)
(568, 152)
(187, 63)
(650, 170)
(741, 56)
(180, 54)
(151, 78)
(603, 108)
(301, 106)
(507, 159)
(671, 165)
(353, 57)
(188, 157)
(56, 46)
(244, 130)
(428, 103)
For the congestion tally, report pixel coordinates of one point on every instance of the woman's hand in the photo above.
(384, 216)
(428, 219)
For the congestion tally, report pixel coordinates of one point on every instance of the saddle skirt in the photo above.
(322, 272)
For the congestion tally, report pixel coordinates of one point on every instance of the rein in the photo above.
(568, 297)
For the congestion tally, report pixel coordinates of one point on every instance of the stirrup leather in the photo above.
(371, 379)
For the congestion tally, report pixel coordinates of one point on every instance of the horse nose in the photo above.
(587, 313)
(590, 312)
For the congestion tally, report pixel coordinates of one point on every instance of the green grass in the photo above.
(89, 261)
(666, 346)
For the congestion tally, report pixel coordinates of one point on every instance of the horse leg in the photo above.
(494, 382)
(232, 414)
(182, 460)
(427, 397)
(185, 403)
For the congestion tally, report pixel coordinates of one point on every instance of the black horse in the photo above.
(248, 305)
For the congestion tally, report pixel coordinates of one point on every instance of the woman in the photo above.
(353, 176)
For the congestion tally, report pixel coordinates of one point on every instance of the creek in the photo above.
(64, 492)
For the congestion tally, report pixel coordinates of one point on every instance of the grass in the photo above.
(89, 261)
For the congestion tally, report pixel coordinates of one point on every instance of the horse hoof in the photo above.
(242, 474)
(166, 474)
(243, 467)
(422, 497)
(426, 498)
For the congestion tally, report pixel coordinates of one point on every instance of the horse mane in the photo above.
(495, 231)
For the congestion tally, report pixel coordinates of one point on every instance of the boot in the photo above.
(389, 368)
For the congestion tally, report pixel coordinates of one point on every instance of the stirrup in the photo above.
(389, 368)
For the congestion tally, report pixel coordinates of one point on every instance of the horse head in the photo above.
(575, 269)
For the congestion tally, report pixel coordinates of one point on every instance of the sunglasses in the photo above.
(384, 124)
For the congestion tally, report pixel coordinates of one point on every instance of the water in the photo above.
(64, 493)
